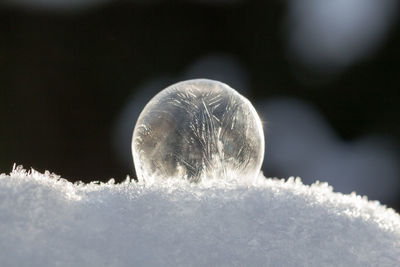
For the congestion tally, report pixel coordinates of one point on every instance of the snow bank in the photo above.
(47, 221)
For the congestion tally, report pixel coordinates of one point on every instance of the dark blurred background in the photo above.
(323, 75)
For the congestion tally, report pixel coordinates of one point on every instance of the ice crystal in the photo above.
(195, 130)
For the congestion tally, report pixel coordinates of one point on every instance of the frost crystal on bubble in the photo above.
(198, 129)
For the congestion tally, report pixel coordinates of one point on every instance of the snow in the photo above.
(48, 221)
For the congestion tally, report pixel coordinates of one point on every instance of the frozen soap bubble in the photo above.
(195, 130)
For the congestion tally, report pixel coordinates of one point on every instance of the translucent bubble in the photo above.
(195, 130)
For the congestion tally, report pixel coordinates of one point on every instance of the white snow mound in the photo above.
(47, 221)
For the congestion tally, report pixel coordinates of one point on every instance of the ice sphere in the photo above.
(195, 130)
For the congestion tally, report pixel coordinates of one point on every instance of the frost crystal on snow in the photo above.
(198, 129)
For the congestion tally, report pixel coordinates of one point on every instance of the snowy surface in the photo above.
(47, 221)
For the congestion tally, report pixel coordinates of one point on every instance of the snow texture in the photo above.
(48, 221)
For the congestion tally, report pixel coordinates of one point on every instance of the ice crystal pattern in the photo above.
(195, 130)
